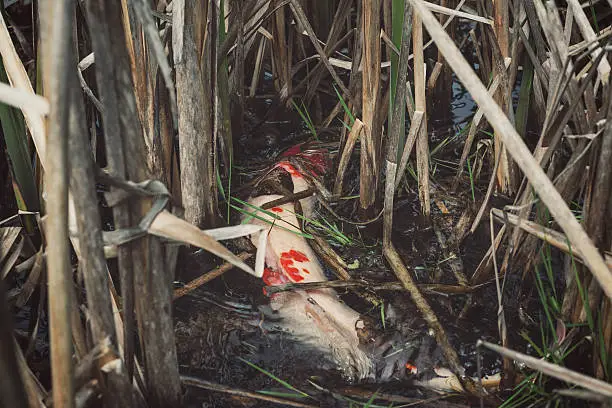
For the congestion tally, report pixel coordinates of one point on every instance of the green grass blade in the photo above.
(306, 118)
(15, 137)
(275, 378)
(346, 108)
(522, 110)
(255, 214)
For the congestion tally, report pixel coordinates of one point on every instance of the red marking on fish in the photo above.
(286, 261)
(319, 160)
(289, 168)
(277, 209)
(292, 151)
(273, 278)
(298, 256)
(306, 270)
(412, 369)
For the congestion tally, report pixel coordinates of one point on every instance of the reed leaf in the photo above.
(15, 137)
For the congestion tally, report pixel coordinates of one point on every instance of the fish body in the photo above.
(318, 318)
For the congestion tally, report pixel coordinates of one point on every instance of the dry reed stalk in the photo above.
(420, 105)
(280, 53)
(606, 319)
(413, 133)
(148, 62)
(368, 178)
(598, 204)
(603, 68)
(195, 112)
(354, 134)
(56, 21)
(92, 262)
(207, 277)
(553, 370)
(602, 183)
(342, 12)
(327, 254)
(155, 91)
(102, 42)
(222, 131)
(374, 287)
(35, 392)
(153, 305)
(534, 173)
(304, 25)
(502, 33)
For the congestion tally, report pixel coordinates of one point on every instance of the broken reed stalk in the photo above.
(207, 277)
(420, 105)
(389, 251)
(280, 56)
(222, 123)
(516, 147)
(603, 182)
(502, 34)
(342, 11)
(195, 110)
(151, 281)
(374, 287)
(92, 262)
(56, 29)
(368, 178)
(553, 370)
(354, 134)
(304, 25)
(103, 46)
(547, 235)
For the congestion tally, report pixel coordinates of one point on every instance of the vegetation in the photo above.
(134, 116)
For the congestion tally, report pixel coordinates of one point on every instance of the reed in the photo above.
(160, 91)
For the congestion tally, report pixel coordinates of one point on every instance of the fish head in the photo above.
(313, 157)
(321, 322)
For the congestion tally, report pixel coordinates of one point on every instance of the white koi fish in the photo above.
(318, 317)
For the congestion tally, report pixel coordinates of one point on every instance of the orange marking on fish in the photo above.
(277, 209)
(306, 270)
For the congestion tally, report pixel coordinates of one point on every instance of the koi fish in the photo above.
(318, 317)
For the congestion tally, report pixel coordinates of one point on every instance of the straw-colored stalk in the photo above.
(195, 117)
(115, 156)
(420, 105)
(502, 32)
(280, 54)
(371, 84)
(56, 19)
